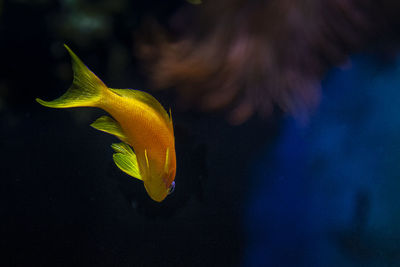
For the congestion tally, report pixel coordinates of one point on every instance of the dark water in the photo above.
(265, 193)
(326, 194)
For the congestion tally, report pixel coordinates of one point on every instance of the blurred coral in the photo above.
(252, 56)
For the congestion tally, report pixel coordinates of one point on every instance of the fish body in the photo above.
(138, 120)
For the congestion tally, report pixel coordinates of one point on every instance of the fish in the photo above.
(147, 150)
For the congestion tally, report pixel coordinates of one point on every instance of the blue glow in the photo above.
(328, 193)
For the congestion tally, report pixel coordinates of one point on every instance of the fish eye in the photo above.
(171, 188)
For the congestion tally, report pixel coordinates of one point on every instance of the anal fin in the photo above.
(126, 160)
(108, 125)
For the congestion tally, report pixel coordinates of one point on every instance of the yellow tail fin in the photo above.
(85, 91)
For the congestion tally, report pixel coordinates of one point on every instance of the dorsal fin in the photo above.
(147, 99)
(170, 120)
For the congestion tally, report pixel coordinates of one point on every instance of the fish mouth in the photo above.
(157, 196)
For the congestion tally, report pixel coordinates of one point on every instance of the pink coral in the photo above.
(251, 56)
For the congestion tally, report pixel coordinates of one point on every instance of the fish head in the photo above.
(159, 187)
(160, 183)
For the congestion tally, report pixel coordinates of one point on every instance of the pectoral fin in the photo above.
(166, 164)
(147, 159)
(108, 125)
(126, 160)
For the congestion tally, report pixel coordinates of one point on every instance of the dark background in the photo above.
(269, 192)
(63, 201)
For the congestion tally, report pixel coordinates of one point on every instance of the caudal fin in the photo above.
(85, 91)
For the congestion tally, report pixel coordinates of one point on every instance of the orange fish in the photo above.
(138, 120)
